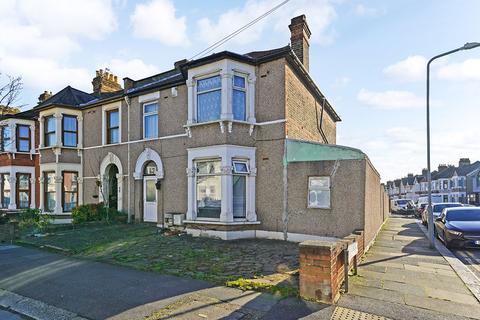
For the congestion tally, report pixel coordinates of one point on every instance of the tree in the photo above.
(10, 89)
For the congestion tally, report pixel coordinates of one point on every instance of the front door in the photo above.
(149, 199)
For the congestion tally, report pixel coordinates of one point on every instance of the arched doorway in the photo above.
(111, 186)
(150, 192)
(111, 177)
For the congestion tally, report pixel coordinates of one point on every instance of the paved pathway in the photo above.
(71, 287)
(402, 278)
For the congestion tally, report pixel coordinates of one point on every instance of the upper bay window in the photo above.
(150, 120)
(209, 99)
(113, 126)
(69, 127)
(23, 138)
(50, 131)
(221, 91)
(6, 138)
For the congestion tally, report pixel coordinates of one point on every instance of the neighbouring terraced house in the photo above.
(230, 145)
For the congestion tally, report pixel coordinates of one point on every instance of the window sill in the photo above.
(196, 124)
(221, 223)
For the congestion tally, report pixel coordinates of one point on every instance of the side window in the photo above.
(6, 138)
(49, 131)
(239, 98)
(319, 192)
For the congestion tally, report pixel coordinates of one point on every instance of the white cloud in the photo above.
(364, 11)
(391, 99)
(468, 70)
(412, 68)
(134, 68)
(341, 82)
(320, 15)
(157, 20)
(92, 19)
(38, 38)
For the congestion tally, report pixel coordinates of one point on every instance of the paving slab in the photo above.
(401, 271)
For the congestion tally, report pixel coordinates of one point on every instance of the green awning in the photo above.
(303, 151)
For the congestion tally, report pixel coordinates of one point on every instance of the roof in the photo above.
(305, 151)
(68, 96)
(460, 171)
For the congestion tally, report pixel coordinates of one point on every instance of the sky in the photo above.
(367, 57)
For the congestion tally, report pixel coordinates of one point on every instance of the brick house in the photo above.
(233, 145)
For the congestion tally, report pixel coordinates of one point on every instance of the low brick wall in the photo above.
(322, 270)
(7, 232)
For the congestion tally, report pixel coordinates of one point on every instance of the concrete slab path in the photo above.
(402, 278)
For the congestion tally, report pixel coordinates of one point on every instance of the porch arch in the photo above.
(112, 159)
(146, 156)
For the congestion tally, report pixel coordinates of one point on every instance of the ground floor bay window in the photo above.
(221, 184)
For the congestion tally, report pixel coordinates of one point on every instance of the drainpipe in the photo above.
(285, 192)
(129, 216)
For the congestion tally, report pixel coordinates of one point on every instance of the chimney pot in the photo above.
(44, 96)
(105, 82)
(299, 39)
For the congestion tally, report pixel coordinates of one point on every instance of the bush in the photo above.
(96, 212)
(3, 218)
(33, 218)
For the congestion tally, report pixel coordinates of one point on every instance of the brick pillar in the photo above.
(321, 270)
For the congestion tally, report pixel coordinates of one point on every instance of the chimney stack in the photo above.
(442, 167)
(299, 39)
(425, 173)
(105, 81)
(464, 162)
(44, 96)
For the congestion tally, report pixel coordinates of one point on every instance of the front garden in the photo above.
(264, 265)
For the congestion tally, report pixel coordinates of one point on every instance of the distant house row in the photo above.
(454, 183)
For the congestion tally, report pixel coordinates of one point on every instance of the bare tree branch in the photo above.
(10, 90)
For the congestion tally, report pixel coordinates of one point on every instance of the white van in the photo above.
(436, 198)
(402, 206)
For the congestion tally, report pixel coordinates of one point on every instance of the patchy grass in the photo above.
(240, 263)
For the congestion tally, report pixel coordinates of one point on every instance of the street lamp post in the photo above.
(467, 46)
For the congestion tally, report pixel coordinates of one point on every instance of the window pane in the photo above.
(50, 182)
(6, 133)
(50, 139)
(50, 124)
(70, 139)
(209, 106)
(240, 167)
(239, 105)
(208, 196)
(151, 191)
(69, 123)
(152, 107)
(209, 83)
(23, 199)
(151, 126)
(113, 116)
(114, 135)
(23, 182)
(6, 198)
(319, 182)
(70, 181)
(23, 145)
(239, 81)
(208, 167)
(319, 198)
(150, 169)
(50, 201)
(6, 182)
(70, 201)
(239, 196)
(23, 131)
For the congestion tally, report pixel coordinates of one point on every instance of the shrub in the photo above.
(96, 212)
(3, 218)
(33, 218)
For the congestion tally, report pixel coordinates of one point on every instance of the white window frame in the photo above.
(105, 109)
(203, 77)
(146, 114)
(245, 77)
(227, 154)
(226, 68)
(245, 162)
(329, 189)
(195, 166)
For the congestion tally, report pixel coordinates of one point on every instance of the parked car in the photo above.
(459, 227)
(437, 210)
(436, 198)
(403, 206)
(419, 209)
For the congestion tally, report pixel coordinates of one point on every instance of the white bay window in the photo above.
(221, 184)
(222, 91)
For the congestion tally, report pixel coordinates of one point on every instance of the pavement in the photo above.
(402, 278)
(45, 285)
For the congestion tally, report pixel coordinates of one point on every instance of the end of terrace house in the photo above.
(233, 145)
